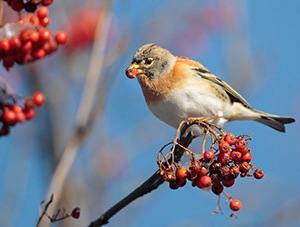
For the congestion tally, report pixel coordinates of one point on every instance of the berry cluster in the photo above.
(27, 5)
(227, 158)
(28, 39)
(15, 109)
(82, 33)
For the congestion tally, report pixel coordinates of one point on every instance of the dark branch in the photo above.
(151, 184)
(45, 209)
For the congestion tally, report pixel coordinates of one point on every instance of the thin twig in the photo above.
(45, 210)
(204, 141)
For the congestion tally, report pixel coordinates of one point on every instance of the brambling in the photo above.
(177, 88)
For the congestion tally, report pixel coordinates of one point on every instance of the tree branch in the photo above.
(85, 115)
(149, 185)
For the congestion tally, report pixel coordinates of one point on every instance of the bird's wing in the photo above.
(233, 95)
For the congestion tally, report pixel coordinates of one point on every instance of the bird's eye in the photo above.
(149, 61)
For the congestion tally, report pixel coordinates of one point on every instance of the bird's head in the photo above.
(151, 61)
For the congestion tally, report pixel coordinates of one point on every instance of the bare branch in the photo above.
(45, 209)
(149, 185)
(85, 116)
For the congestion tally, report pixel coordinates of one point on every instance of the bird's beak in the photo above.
(133, 70)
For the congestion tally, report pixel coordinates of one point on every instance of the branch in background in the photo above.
(85, 117)
(1, 12)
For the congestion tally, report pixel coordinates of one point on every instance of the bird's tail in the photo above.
(274, 121)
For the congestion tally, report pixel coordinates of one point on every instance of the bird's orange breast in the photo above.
(157, 89)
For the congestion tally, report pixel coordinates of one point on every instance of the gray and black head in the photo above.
(152, 61)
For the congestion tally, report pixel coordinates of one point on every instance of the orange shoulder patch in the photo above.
(158, 88)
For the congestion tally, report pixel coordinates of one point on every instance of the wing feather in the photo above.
(233, 95)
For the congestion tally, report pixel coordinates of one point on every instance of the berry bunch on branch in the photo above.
(218, 164)
(23, 41)
(28, 39)
(15, 109)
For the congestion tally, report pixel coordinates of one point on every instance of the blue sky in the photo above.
(253, 45)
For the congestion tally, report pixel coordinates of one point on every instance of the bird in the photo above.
(177, 88)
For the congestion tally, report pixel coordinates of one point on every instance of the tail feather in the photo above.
(275, 122)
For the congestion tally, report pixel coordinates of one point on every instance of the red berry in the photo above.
(24, 36)
(42, 12)
(245, 167)
(4, 130)
(195, 166)
(236, 156)
(230, 138)
(234, 171)
(173, 185)
(228, 182)
(38, 98)
(46, 2)
(258, 174)
(40, 53)
(15, 43)
(9, 116)
(27, 58)
(29, 113)
(235, 205)
(17, 108)
(34, 36)
(61, 37)
(16, 5)
(181, 182)
(208, 155)
(241, 144)
(36, 1)
(247, 157)
(75, 213)
(20, 117)
(50, 46)
(224, 147)
(28, 103)
(216, 167)
(26, 47)
(4, 45)
(182, 173)
(45, 21)
(45, 35)
(217, 188)
(30, 7)
(224, 171)
(8, 61)
(204, 181)
(224, 158)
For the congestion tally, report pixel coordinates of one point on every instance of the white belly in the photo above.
(181, 105)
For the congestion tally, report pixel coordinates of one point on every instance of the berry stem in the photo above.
(218, 208)
(204, 141)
